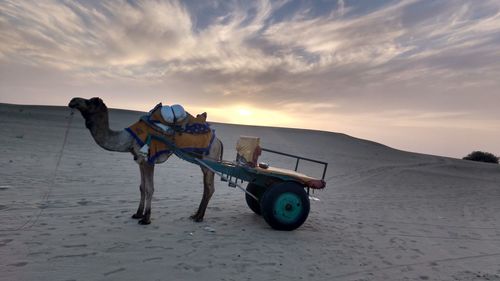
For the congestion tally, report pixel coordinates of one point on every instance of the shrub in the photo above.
(481, 156)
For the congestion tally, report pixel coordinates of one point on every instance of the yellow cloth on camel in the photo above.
(193, 134)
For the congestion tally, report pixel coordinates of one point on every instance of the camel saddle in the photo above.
(191, 134)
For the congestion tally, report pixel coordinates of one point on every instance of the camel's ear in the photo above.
(203, 116)
(95, 101)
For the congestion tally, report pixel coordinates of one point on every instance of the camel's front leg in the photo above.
(148, 173)
(208, 191)
(140, 211)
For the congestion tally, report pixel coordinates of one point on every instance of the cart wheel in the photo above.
(257, 191)
(285, 206)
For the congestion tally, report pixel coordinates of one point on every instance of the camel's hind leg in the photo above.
(148, 173)
(140, 211)
(208, 191)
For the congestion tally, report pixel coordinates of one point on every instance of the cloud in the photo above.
(341, 7)
(332, 59)
(70, 35)
(157, 38)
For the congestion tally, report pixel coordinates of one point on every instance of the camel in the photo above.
(95, 113)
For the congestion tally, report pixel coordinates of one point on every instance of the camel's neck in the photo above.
(98, 124)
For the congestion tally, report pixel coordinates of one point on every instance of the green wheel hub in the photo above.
(288, 207)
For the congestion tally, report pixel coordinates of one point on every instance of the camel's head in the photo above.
(88, 107)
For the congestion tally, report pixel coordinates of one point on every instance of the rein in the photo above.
(45, 198)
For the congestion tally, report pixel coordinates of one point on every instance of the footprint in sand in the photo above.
(159, 247)
(73, 256)
(75, 246)
(477, 276)
(118, 245)
(78, 234)
(5, 242)
(18, 264)
(83, 202)
(39, 253)
(152, 259)
(114, 271)
(188, 267)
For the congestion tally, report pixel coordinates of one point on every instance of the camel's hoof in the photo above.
(137, 216)
(196, 218)
(144, 222)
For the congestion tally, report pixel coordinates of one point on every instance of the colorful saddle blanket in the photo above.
(193, 134)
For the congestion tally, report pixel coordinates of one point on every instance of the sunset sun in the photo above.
(244, 112)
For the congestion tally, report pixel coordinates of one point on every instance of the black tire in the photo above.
(257, 191)
(285, 206)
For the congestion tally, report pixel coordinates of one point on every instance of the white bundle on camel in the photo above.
(173, 114)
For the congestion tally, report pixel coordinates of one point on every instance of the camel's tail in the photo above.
(221, 150)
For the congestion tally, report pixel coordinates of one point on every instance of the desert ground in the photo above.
(385, 214)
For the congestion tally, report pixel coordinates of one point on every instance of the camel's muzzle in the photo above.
(74, 103)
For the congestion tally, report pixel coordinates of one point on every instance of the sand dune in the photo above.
(385, 215)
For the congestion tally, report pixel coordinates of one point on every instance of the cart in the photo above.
(280, 196)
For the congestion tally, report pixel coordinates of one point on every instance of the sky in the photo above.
(422, 76)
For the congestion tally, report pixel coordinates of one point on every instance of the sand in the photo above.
(385, 215)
